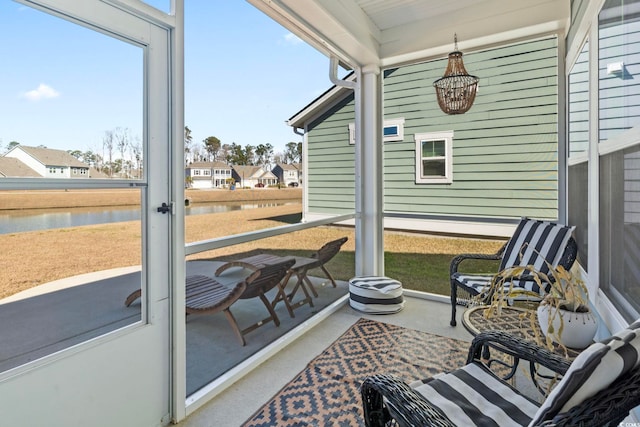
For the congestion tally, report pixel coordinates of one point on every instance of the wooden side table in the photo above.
(300, 269)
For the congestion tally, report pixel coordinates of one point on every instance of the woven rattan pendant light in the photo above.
(456, 91)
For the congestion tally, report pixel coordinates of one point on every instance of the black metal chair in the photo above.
(599, 388)
(536, 236)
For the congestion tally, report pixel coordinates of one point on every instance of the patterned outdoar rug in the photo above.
(327, 391)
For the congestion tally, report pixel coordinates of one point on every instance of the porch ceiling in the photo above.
(393, 32)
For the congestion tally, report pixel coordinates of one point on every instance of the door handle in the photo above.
(165, 208)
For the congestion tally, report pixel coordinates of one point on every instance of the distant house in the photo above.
(252, 176)
(474, 173)
(208, 174)
(14, 168)
(288, 174)
(49, 163)
(95, 173)
(298, 167)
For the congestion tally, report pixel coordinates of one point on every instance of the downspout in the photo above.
(333, 75)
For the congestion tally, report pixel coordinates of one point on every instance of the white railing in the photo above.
(221, 242)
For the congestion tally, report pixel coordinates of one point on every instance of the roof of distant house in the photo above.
(287, 166)
(52, 157)
(14, 168)
(208, 165)
(95, 173)
(329, 97)
(247, 170)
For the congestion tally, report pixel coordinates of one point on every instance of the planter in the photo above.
(579, 328)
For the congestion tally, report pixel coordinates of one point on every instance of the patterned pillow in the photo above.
(545, 240)
(592, 371)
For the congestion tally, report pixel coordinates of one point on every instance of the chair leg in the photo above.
(454, 303)
(272, 312)
(308, 282)
(329, 276)
(234, 326)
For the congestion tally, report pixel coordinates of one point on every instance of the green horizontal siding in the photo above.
(504, 150)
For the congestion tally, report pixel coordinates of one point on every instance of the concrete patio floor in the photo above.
(237, 403)
(212, 347)
(73, 310)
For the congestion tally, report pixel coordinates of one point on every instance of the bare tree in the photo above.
(264, 154)
(136, 156)
(123, 139)
(225, 149)
(107, 145)
(293, 152)
(188, 139)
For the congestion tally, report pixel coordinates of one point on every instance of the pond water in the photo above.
(38, 219)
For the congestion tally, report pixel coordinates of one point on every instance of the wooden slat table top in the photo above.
(255, 261)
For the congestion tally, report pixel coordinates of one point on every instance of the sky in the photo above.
(63, 86)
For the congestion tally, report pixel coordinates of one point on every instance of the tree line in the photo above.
(121, 154)
(213, 150)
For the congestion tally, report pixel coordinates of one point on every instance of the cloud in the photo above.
(42, 92)
(292, 39)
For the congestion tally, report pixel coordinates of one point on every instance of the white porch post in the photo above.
(369, 176)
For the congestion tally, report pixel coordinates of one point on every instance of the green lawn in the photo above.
(422, 272)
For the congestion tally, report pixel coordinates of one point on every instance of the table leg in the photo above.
(301, 275)
(282, 296)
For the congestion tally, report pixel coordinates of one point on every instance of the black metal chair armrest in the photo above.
(455, 262)
(387, 398)
(518, 348)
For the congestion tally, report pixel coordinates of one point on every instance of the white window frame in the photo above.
(398, 136)
(447, 136)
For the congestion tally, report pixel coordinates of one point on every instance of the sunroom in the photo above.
(135, 374)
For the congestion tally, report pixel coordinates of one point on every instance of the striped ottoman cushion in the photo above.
(375, 294)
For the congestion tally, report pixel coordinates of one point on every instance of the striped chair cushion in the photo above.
(476, 284)
(545, 240)
(473, 396)
(593, 370)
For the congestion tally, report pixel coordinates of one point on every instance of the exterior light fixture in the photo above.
(456, 90)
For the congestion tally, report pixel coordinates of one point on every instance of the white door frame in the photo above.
(124, 377)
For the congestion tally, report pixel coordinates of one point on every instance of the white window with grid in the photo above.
(434, 159)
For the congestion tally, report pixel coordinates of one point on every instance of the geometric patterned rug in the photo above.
(327, 391)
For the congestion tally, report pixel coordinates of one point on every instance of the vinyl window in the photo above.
(434, 162)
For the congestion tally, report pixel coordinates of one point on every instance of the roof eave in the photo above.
(330, 97)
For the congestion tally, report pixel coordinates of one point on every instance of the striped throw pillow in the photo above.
(592, 371)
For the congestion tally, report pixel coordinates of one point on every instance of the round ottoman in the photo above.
(375, 294)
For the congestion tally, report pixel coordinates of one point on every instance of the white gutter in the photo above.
(333, 75)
